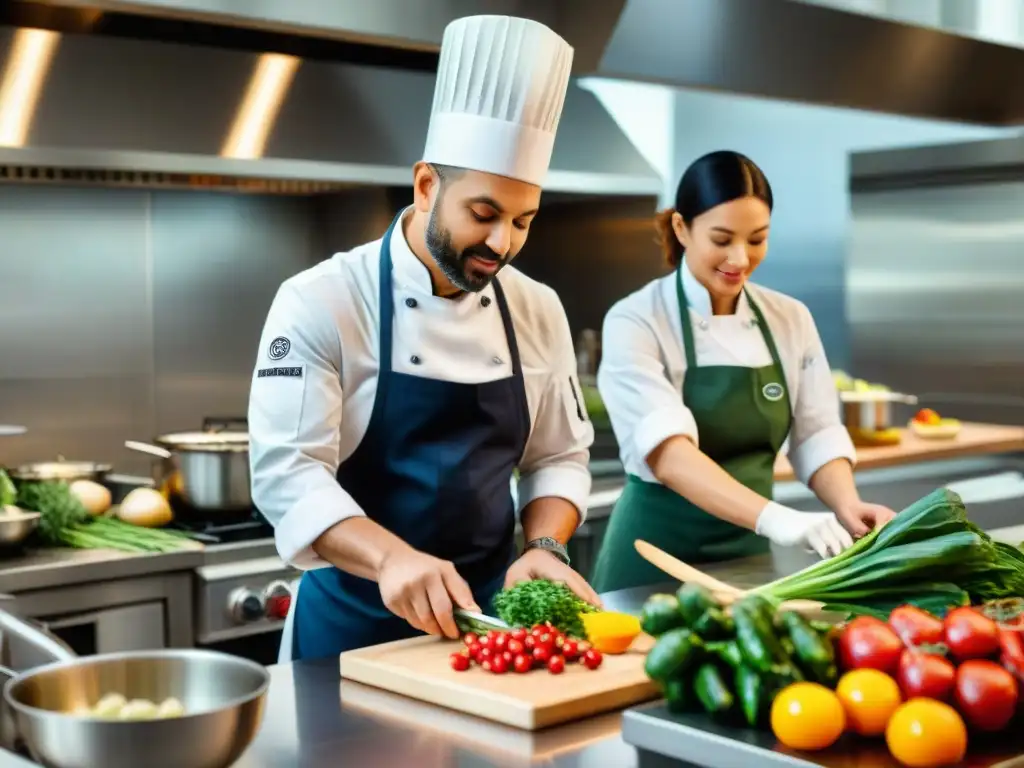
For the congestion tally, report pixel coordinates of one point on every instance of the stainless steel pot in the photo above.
(208, 471)
(223, 696)
(871, 411)
(61, 469)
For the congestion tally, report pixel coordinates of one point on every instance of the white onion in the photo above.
(94, 497)
(145, 507)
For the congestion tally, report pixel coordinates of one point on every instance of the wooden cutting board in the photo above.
(418, 668)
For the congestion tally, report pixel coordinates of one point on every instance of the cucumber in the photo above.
(714, 624)
(756, 639)
(727, 651)
(713, 692)
(660, 614)
(814, 652)
(675, 652)
(680, 696)
(694, 600)
(755, 695)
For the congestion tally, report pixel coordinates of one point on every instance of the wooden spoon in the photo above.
(724, 593)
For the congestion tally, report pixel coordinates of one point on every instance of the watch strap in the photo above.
(548, 544)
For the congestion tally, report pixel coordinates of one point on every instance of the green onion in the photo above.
(929, 555)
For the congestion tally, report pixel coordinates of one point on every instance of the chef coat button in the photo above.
(410, 302)
(703, 325)
(415, 360)
(485, 301)
(496, 360)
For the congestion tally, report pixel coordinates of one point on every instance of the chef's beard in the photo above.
(453, 264)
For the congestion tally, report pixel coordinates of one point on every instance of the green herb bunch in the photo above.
(529, 603)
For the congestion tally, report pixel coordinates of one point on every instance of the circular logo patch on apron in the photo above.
(773, 392)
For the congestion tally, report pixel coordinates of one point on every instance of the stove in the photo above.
(243, 590)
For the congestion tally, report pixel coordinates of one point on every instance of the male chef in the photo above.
(400, 384)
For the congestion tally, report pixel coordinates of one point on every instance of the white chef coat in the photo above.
(644, 361)
(322, 328)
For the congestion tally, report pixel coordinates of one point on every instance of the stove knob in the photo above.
(246, 606)
(278, 599)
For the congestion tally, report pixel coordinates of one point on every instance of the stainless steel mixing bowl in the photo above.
(16, 526)
(223, 697)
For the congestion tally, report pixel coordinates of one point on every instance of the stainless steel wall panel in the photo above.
(935, 280)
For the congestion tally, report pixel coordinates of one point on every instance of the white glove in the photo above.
(819, 531)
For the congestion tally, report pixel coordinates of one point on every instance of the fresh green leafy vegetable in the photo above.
(529, 603)
(929, 555)
(8, 493)
(65, 522)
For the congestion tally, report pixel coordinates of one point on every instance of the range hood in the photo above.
(782, 49)
(121, 111)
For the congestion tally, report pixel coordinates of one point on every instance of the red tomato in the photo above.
(499, 642)
(507, 656)
(530, 642)
(925, 675)
(474, 650)
(986, 694)
(592, 659)
(486, 654)
(870, 643)
(545, 639)
(970, 635)
(459, 662)
(470, 638)
(542, 653)
(518, 634)
(522, 664)
(915, 626)
(515, 647)
(570, 649)
(556, 665)
(486, 641)
(498, 665)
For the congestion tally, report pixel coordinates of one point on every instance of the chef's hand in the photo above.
(422, 589)
(539, 564)
(861, 517)
(819, 531)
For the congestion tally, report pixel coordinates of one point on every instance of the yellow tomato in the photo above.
(869, 698)
(924, 733)
(807, 716)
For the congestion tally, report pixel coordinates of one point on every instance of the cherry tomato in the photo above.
(538, 630)
(915, 626)
(498, 642)
(474, 650)
(459, 662)
(515, 647)
(546, 640)
(925, 675)
(541, 654)
(970, 635)
(486, 654)
(869, 698)
(870, 643)
(986, 694)
(498, 665)
(518, 634)
(522, 663)
(530, 642)
(470, 638)
(507, 656)
(556, 665)
(570, 649)
(924, 732)
(807, 716)
(592, 659)
(486, 641)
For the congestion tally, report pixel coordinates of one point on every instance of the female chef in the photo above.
(705, 376)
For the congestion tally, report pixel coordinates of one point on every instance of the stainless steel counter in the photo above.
(314, 720)
(43, 568)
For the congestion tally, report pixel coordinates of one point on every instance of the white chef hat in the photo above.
(500, 88)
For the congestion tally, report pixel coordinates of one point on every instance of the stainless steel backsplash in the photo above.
(935, 279)
(125, 314)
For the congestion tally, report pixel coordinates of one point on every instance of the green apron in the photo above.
(743, 416)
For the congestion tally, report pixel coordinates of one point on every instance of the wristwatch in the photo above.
(548, 544)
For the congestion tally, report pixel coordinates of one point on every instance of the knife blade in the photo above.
(470, 621)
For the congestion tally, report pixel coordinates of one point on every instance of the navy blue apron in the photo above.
(434, 468)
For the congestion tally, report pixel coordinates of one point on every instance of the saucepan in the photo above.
(219, 700)
(871, 411)
(208, 471)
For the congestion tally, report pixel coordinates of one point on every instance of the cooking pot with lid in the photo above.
(205, 472)
(61, 469)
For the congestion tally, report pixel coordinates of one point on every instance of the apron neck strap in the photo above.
(687, 323)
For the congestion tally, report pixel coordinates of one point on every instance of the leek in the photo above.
(929, 555)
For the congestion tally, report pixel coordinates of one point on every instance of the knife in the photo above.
(470, 621)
